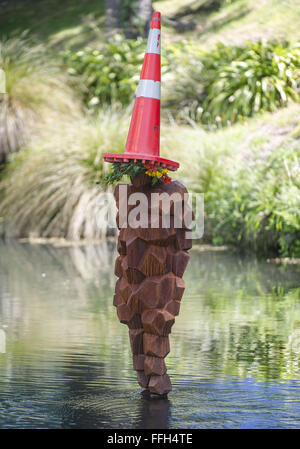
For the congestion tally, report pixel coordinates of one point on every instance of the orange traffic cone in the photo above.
(144, 132)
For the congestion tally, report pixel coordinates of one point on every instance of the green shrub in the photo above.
(256, 204)
(109, 75)
(252, 196)
(249, 174)
(36, 92)
(216, 88)
(230, 83)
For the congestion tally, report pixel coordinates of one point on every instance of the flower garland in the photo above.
(132, 169)
(158, 173)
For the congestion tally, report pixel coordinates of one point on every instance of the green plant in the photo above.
(251, 196)
(36, 92)
(264, 77)
(249, 174)
(256, 204)
(230, 83)
(132, 169)
(109, 75)
(49, 188)
(118, 170)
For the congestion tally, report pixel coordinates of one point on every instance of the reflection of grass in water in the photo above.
(51, 306)
(245, 276)
(230, 322)
(237, 323)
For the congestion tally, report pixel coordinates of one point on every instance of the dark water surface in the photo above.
(65, 359)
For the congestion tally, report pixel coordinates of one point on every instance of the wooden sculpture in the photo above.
(150, 267)
(152, 259)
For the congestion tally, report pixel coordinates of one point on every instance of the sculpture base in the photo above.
(147, 395)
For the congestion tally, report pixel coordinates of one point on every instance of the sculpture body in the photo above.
(152, 258)
(150, 287)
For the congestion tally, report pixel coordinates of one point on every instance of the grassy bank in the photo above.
(49, 189)
(249, 174)
(235, 22)
(244, 159)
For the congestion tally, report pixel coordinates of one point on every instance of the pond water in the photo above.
(65, 360)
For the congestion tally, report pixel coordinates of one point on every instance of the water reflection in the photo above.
(154, 414)
(235, 348)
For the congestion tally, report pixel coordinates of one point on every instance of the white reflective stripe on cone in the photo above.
(154, 39)
(149, 89)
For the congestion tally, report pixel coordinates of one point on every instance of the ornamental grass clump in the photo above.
(49, 189)
(36, 93)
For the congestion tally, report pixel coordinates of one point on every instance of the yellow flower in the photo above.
(156, 173)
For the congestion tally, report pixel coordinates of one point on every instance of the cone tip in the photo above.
(156, 15)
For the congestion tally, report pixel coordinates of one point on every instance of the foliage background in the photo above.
(230, 111)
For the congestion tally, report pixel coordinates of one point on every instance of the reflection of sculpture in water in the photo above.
(155, 414)
(150, 286)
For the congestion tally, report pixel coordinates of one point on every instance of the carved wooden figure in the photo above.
(150, 287)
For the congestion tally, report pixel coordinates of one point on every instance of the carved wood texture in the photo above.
(150, 287)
